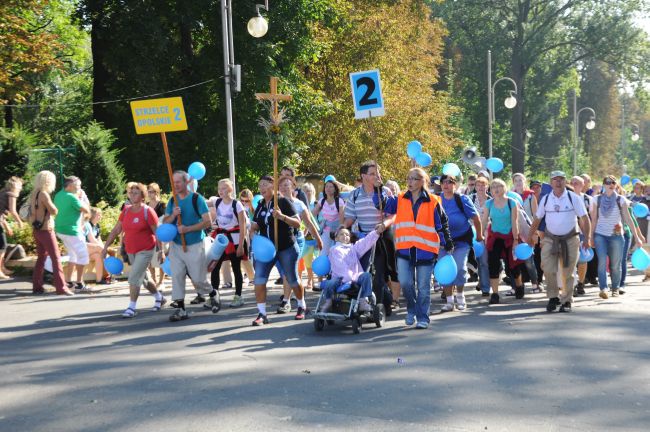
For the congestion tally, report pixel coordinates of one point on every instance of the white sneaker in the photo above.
(447, 307)
(237, 301)
(461, 305)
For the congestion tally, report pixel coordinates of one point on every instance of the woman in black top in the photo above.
(286, 251)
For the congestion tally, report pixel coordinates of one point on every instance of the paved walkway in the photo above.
(72, 364)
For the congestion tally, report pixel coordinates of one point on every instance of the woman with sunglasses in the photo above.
(462, 217)
(609, 213)
(287, 250)
(502, 238)
(419, 224)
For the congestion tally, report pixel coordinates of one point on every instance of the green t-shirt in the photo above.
(68, 219)
(190, 217)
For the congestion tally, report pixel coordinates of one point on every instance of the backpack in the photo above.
(144, 206)
(336, 202)
(25, 211)
(216, 206)
(618, 203)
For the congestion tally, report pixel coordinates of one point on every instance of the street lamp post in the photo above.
(510, 102)
(231, 78)
(591, 123)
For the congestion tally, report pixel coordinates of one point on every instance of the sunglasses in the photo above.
(609, 182)
(244, 200)
(413, 178)
(448, 182)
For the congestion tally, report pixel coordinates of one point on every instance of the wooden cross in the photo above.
(275, 99)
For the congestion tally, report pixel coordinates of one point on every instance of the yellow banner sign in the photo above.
(158, 115)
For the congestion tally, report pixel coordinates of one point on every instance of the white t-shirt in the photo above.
(298, 207)
(227, 220)
(561, 212)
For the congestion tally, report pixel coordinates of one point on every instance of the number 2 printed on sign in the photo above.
(177, 114)
(366, 94)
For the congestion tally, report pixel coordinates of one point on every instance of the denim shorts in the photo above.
(288, 260)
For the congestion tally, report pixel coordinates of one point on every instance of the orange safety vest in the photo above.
(421, 233)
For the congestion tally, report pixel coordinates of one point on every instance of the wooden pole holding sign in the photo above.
(171, 181)
(276, 119)
(368, 103)
(160, 116)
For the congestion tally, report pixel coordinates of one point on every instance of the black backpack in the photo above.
(336, 202)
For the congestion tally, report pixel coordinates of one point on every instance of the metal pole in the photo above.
(575, 133)
(227, 56)
(490, 107)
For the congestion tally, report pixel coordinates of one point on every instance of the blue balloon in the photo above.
(329, 178)
(167, 267)
(166, 232)
(445, 270)
(625, 179)
(479, 249)
(113, 265)
(423, 159)
(635, 181)
(640, 210)
(523, 251)
(515, 196)
(263, 249)
(451, 169)
(413, 149)
(321, 265)
(494, 164)
(586, 255)
(218, 246)
(640, 259)
(196, 170)
(256, 200)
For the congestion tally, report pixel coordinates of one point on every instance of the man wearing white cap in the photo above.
(562, 209)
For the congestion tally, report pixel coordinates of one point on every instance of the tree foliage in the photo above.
(27, 49)
(400, 39)
(95, 162)
(537, 43)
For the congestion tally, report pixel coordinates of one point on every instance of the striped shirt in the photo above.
(606, 223)
(363, 210)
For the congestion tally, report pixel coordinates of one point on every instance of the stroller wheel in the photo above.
(379, 315)
(356, 325)
(319, 324)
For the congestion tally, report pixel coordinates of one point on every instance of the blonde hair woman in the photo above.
(230, 220)
(42, 220)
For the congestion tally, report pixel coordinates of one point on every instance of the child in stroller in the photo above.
(346, 268)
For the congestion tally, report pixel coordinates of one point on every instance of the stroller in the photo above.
(345, 306)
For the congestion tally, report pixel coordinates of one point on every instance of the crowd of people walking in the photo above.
(480, 225)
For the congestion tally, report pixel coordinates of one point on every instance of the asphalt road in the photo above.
(73, 364)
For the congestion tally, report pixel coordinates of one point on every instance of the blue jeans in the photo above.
(461, 252)
(417, 302)
(531, 269)
(288, 260)
(626, 249)
(612, 247)
(364, 281)
(484, 272)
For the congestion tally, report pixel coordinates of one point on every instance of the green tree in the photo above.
(536, 43)
(27, 49)
(15, 145)
(414, 108)
(95, 162)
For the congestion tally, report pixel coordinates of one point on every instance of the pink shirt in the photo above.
(344, 258)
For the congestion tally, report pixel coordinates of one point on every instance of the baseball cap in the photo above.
(557, 174)
(435, 180)
(535, 183)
